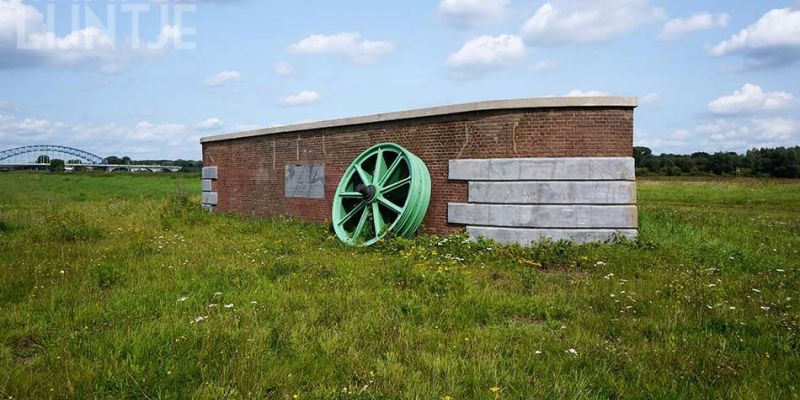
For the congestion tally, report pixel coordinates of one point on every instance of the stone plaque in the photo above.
(305, 180)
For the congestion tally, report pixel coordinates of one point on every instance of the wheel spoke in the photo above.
(391, 169)
(350, 195)
(395, 185)
(380, 168)
(365, 178)
(390, 205)
(352, 212)
(361, 223)
(378, 219)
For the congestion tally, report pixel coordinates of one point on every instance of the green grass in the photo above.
(103, 277)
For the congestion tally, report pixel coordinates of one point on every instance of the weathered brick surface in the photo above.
(251, 170)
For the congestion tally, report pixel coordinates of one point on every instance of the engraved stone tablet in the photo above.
(305, 180)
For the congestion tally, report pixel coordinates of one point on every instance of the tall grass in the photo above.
(163, 301)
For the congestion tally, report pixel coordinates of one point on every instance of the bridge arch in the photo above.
(45, 148)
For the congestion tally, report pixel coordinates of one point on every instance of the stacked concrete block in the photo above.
(522, 200)
(210, 198)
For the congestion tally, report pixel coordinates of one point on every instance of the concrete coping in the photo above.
(544, 102)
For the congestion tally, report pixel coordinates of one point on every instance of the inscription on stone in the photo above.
(305, 180)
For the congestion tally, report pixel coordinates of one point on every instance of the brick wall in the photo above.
(251, 169)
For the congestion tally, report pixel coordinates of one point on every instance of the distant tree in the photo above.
(56, 165)
(725, 163)
(113, 160)
(640, 154)
(43, 159)
(126, 160)
(780, 162)
(702, 163)
(685, 163)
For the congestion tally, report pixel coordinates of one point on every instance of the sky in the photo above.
(148, 78)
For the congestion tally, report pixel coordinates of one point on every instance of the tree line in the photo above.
(180, 163)
(58, 165)
(779, 162)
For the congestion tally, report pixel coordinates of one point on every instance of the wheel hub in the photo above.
(367, 192)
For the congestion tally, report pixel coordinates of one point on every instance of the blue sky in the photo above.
(711, 75)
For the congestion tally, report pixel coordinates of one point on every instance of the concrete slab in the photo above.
(555, 192)
(544, 216)
(210, 198)
(208, 207)
(515, 169)
(305, 180)
(525, 236)
(207, 185)
(210, 172)
(468, 170)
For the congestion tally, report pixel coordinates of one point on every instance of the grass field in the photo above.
(117, 286)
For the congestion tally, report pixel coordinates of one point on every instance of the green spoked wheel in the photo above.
(386, 188)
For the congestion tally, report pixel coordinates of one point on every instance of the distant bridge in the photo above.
(38, 157)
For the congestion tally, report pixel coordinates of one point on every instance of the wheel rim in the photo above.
(385, 189)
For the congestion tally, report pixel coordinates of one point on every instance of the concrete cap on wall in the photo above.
(545, 102)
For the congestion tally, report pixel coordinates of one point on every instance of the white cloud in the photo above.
(170, 35)
(659, 144)
(142, 140)
(585, 21)
(222, 78)
(25, 41)
(681, 134)
(773, 40)
(586, 93)
(649, 98)
(471, 13)
(726, 135)
(348, 44)
(751, 98)
(739, 136)
(679, 27)
(777, 129)
(304, 98)
(485, 53)
(210, 124)
(545, 65)
(6, 105)
(283, 69)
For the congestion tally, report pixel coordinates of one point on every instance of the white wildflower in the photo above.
(184, 298)
(572, 351)
(229, 305)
